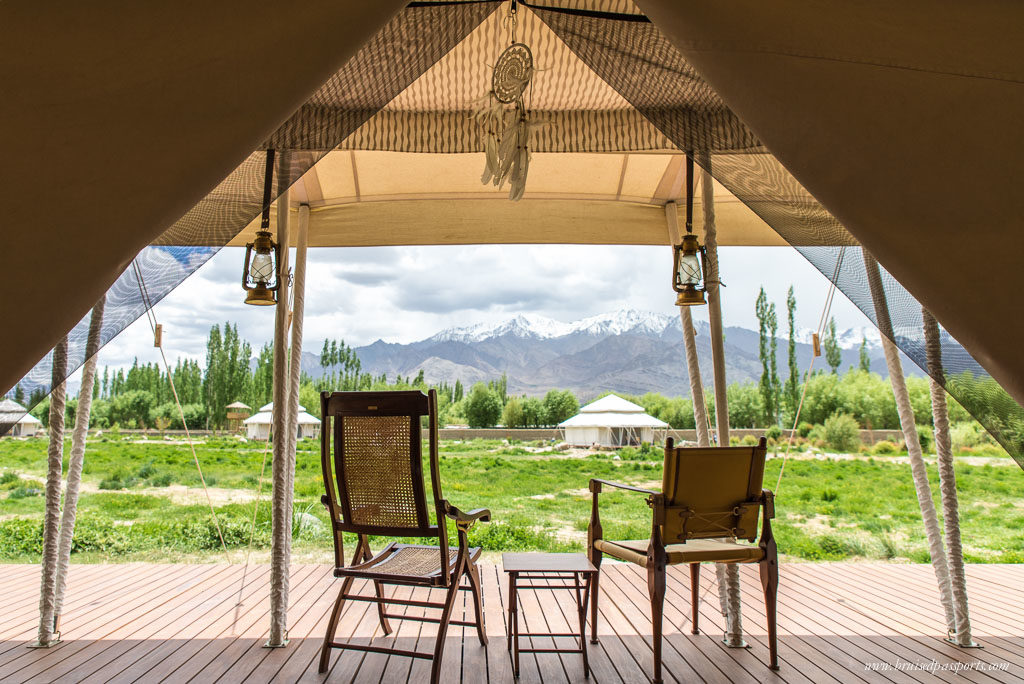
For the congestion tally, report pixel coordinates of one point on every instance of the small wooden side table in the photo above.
(571, 571)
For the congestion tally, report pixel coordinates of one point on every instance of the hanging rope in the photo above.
(151, 317)
(252, 528)
(825, 311)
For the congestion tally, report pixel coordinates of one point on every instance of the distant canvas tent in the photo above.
(16, 421)
(612, 421)
(258, 426)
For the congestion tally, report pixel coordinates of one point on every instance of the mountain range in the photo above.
(625, 351)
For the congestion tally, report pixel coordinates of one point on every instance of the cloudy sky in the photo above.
(403, 294)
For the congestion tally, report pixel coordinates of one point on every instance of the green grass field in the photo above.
(143, 501)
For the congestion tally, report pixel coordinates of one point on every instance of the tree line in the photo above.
(141, 396)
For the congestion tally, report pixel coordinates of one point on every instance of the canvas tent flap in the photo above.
(903, 119)
(134, 113)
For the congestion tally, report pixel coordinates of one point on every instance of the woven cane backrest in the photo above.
(374, 472)
(712, 492)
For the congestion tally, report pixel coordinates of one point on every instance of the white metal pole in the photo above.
(280, 512)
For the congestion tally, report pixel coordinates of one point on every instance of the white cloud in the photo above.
(403, 294)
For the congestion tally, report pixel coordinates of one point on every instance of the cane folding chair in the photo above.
(372, 466)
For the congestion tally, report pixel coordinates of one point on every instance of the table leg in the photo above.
(581, 611)
(513, 619)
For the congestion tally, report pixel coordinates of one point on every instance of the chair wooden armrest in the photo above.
(598, 483)
(466, 517)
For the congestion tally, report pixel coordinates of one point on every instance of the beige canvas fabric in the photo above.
(903, 120)
(134, 116)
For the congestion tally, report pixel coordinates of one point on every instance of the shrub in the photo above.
(774, 432)
(161, 480)
(829, 494)
(25, 492)
(749, 440)
(884, 447)
(804, 429)
(841, 432)
(9, 478)
(926, 437)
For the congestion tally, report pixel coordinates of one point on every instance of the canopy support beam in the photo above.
(910, 437)
(280, 510)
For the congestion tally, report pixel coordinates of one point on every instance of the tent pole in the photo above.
(947, 484)
(700, 415)
(83, 414)
(280, 513)
(728, 573)
(298, 309)
(51, 522)
(906, 414)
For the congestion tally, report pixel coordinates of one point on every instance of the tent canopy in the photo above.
(859, 133)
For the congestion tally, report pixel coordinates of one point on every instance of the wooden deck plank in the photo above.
(143, 622)
(916, 646)
(82, 628)
(161, 632)
(177, 646)
(139, 626)
(81, 589)
(900, 613)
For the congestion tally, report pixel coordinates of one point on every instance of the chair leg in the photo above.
(378, 588)
(332, 626)
(656, 589)
(695, 595)
(770, 583)
(442, 627)
(478, 606)
(595, 558)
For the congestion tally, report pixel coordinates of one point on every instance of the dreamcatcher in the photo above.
(506, 142)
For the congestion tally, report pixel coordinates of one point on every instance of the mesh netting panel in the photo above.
(395, 57)
(376, 477)
(651, 74)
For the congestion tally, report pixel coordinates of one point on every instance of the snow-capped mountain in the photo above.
(532, 326)
(625, 351)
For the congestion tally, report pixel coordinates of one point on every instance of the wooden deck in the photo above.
(136, 622)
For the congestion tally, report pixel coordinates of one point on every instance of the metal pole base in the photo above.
(973, 644)
(53, 642)
(283, 643)
(729, 644)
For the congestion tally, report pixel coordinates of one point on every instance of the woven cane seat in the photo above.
(406, 562)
